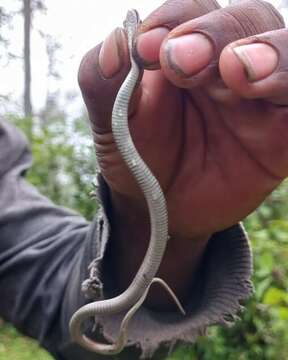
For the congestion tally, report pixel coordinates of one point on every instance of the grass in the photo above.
(14, 346)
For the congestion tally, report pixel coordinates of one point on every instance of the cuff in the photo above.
(223, 282)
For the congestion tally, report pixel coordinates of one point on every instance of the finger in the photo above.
(101, 73)
(190, 54)
(156, 27)
(257, 67)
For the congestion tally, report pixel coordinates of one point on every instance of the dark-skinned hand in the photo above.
(209, 117)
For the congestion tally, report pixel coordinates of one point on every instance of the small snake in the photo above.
(132, 298)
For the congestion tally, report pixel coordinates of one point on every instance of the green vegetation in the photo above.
(64, 169)
(16, 347)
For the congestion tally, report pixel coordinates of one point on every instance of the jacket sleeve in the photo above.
(45, 252)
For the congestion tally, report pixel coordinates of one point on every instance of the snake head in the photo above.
(131, 24)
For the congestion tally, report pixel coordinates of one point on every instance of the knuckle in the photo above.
(239, 21)
(175, 12)
(255, 16)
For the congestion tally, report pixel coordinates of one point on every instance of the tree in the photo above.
(27, 13)
(29, 7)
(4, 18)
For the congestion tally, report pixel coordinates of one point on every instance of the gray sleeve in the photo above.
(45, 252)
(223, 282)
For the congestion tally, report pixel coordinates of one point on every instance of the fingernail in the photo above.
(259, 60)
(189, 54)
(148, 45)
(111, 54)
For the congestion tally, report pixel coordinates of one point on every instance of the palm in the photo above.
(200, 149)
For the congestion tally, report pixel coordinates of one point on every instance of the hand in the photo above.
(210, 120)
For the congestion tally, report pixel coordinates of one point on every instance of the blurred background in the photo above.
(41, 45)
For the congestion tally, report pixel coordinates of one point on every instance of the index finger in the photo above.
(160, 22)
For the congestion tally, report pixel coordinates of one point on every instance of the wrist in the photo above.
(130, 237)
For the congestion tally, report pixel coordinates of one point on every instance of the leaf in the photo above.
(275, 296)
(262, 287)
(283, 313)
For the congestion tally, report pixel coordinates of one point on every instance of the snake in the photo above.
(132, 298)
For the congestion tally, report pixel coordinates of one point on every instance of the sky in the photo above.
(78, 26)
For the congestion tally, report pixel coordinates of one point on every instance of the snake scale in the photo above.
(132, 298)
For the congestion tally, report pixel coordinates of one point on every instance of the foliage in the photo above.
(13, 346)
(63, 163)
(63, 169)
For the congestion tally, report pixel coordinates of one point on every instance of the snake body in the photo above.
(132, 298)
